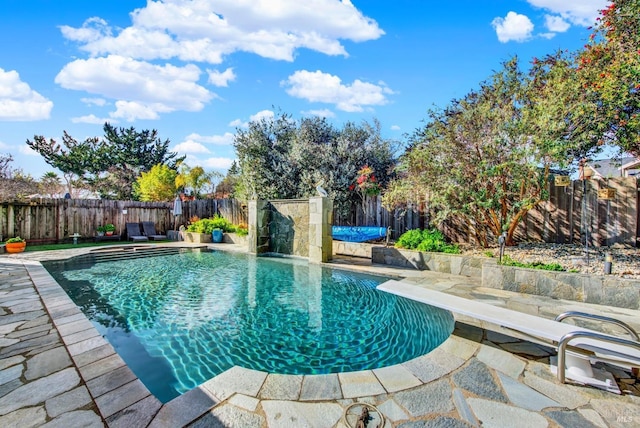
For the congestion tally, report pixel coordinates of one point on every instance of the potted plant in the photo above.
(15, 245)
(216, 235)
(101, 230)
(109, 229)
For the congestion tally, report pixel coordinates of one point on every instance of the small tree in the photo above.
(50, 184)
(195, 178)
(157, 185)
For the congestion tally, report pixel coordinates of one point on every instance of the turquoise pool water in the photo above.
(179, 320)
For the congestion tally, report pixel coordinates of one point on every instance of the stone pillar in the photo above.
(320, 222)
(258, 237)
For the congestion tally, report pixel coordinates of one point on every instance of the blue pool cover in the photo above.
(357, 233)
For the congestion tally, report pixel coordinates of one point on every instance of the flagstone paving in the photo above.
(57, 371)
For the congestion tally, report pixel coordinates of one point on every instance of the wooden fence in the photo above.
(374, 214)
(567, 218)
(55, 220)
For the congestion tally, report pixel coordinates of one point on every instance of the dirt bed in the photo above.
(625, 260)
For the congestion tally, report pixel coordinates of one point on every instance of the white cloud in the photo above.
(143, 90)
(92, 119)
(326, 88)
(395, 128)
(191, 146)
(577, 12)
(238, 123)
(100, 102)
(218, 78)
(206, 31)
(514, 27)
(28, 151)
(18, 102)
(263, 114)
(556, 24)
(225, 139)
(220, 163)
(321, 113)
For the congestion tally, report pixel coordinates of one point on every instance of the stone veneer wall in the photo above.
(353, 249)
(599, 289)
(289, 227)
(438, 262)
(293, 227)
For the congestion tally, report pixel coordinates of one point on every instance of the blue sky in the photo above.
(198, 70)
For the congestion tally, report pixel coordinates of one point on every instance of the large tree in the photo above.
(285, 158)
(110, 165)
(609, 69)
(480, 160)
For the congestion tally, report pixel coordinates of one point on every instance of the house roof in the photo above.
(615, 167)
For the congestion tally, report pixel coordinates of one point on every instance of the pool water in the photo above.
(179, 320)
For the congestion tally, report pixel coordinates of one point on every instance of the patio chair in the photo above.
(134, 234)
(149, 229)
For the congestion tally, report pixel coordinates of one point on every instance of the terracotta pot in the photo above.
(15, 247)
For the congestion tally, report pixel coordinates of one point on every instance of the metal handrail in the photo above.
(564, 342)
(575, 314)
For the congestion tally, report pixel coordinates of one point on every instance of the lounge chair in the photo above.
(577, 347)
(149, 229)
(134, 234)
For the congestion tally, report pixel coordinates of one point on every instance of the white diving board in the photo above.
(624, 353)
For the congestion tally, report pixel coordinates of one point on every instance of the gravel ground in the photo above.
(626, 261)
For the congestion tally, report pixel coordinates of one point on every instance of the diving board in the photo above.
(624, 353)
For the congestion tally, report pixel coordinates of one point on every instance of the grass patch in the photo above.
(66, 246)
(508, 261)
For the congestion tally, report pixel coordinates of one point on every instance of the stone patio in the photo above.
(56, 370)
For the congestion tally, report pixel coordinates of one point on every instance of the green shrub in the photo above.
(430, 240)
(242, 230)
(508, 261)
(206, 225)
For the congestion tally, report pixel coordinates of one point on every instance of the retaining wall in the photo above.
(599, 289)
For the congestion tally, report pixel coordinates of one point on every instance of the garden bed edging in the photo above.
(602, 289)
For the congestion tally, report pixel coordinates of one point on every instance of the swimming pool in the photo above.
(179, 320)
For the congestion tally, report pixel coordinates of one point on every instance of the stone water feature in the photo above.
(295, 227)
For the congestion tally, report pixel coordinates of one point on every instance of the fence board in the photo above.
(55, 220)
(566, 218)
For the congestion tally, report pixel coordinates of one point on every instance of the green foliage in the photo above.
(609, 73)
(14, 240)
(157, 185)
(283, 158)
(109, 165)
(206, 225)
(429, 240)
(195, 179)
(109, 227)
(101, 229)
(508, 261)
(242, 230)
(478, 159)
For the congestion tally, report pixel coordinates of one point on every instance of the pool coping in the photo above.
(120, 395)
